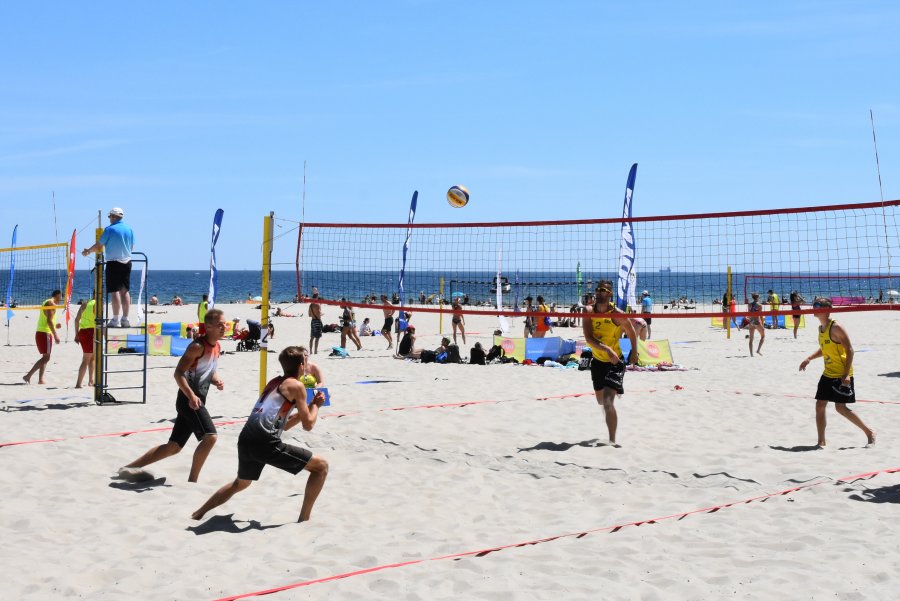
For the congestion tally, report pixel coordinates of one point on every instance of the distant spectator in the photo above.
(154, 300)
(365, 329)
(646, 307)
(406, 348)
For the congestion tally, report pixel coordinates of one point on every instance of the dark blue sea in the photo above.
(555, 287)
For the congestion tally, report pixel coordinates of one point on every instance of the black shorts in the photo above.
(649, 320)
(118, 276)
(388, 322)
(254, 455)
(189, 421)
(315, 328)
(831, 390)
(607, 375)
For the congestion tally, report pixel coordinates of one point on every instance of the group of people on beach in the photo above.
(291, 399)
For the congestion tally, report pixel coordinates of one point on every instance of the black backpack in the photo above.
(476, 356)
(495, 353)
(453, 354)
(427, 356)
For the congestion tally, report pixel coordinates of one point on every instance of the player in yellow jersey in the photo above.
(45, 336)
(602, 334)
(84, 333)
(836, 384)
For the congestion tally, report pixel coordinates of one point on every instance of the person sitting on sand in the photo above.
(836, 384)
(176, 300)
(406, 348)
(195, 371)
(154, 300)
(366, 328)
(260, 444)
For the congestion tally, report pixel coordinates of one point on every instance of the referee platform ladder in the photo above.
(120, 353)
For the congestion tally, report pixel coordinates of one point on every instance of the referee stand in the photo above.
(117, 361)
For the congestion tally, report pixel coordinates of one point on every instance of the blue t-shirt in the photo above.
(646, 305)
(118, 239)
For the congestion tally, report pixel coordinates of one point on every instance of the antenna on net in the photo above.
(887, 245)
(298, 266)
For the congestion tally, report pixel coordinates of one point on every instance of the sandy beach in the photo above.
(467, 482)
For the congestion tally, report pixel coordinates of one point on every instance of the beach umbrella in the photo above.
(893, 293)
(458, 294)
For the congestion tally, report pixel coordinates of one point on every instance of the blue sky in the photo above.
(172, 110)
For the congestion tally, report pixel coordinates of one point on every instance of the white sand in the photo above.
(425, 483)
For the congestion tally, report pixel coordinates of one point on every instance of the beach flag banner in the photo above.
(627, 276)
(12, 274)
(154, 329)
(650, 352)
(412, 217)
(213, 271)
(501, 320)
(70, 274)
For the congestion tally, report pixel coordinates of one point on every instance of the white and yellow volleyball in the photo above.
(458, 196)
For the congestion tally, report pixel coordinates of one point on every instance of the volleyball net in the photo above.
(841, 251)
(29, 274)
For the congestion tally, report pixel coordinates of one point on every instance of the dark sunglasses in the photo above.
(818, 305)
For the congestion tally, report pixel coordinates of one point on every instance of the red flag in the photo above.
(71, 274)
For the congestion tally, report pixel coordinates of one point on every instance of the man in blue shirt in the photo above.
(118, 240)
(646, 307)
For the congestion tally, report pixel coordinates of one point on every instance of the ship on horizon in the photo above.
(665, 270)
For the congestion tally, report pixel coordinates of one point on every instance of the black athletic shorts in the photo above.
(649, 320)
(189, 421)
(607, 375)
(118, 276)
(388, 322)
(254, 455)
(832, 390)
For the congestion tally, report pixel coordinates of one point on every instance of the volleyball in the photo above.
(458, 196)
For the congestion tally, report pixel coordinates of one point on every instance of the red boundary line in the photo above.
(682, 217)
(581, 534)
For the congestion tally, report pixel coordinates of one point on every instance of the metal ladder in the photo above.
(102, 354)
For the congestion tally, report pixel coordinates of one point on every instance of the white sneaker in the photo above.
(125, 323)
(113, 323)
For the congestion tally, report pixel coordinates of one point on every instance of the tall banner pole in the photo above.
(726, 311)
(627, 280)
(264, 307)
(412, 215)
(9, 283)
(213, 271)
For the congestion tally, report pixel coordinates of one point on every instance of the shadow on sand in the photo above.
(227, 524)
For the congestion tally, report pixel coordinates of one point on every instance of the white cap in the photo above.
(117, 212)
(645, 293)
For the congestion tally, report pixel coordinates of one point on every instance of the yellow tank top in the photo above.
(607, 332)
(202, 309)
(835, 354)
(42, 324)
(87, 316)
